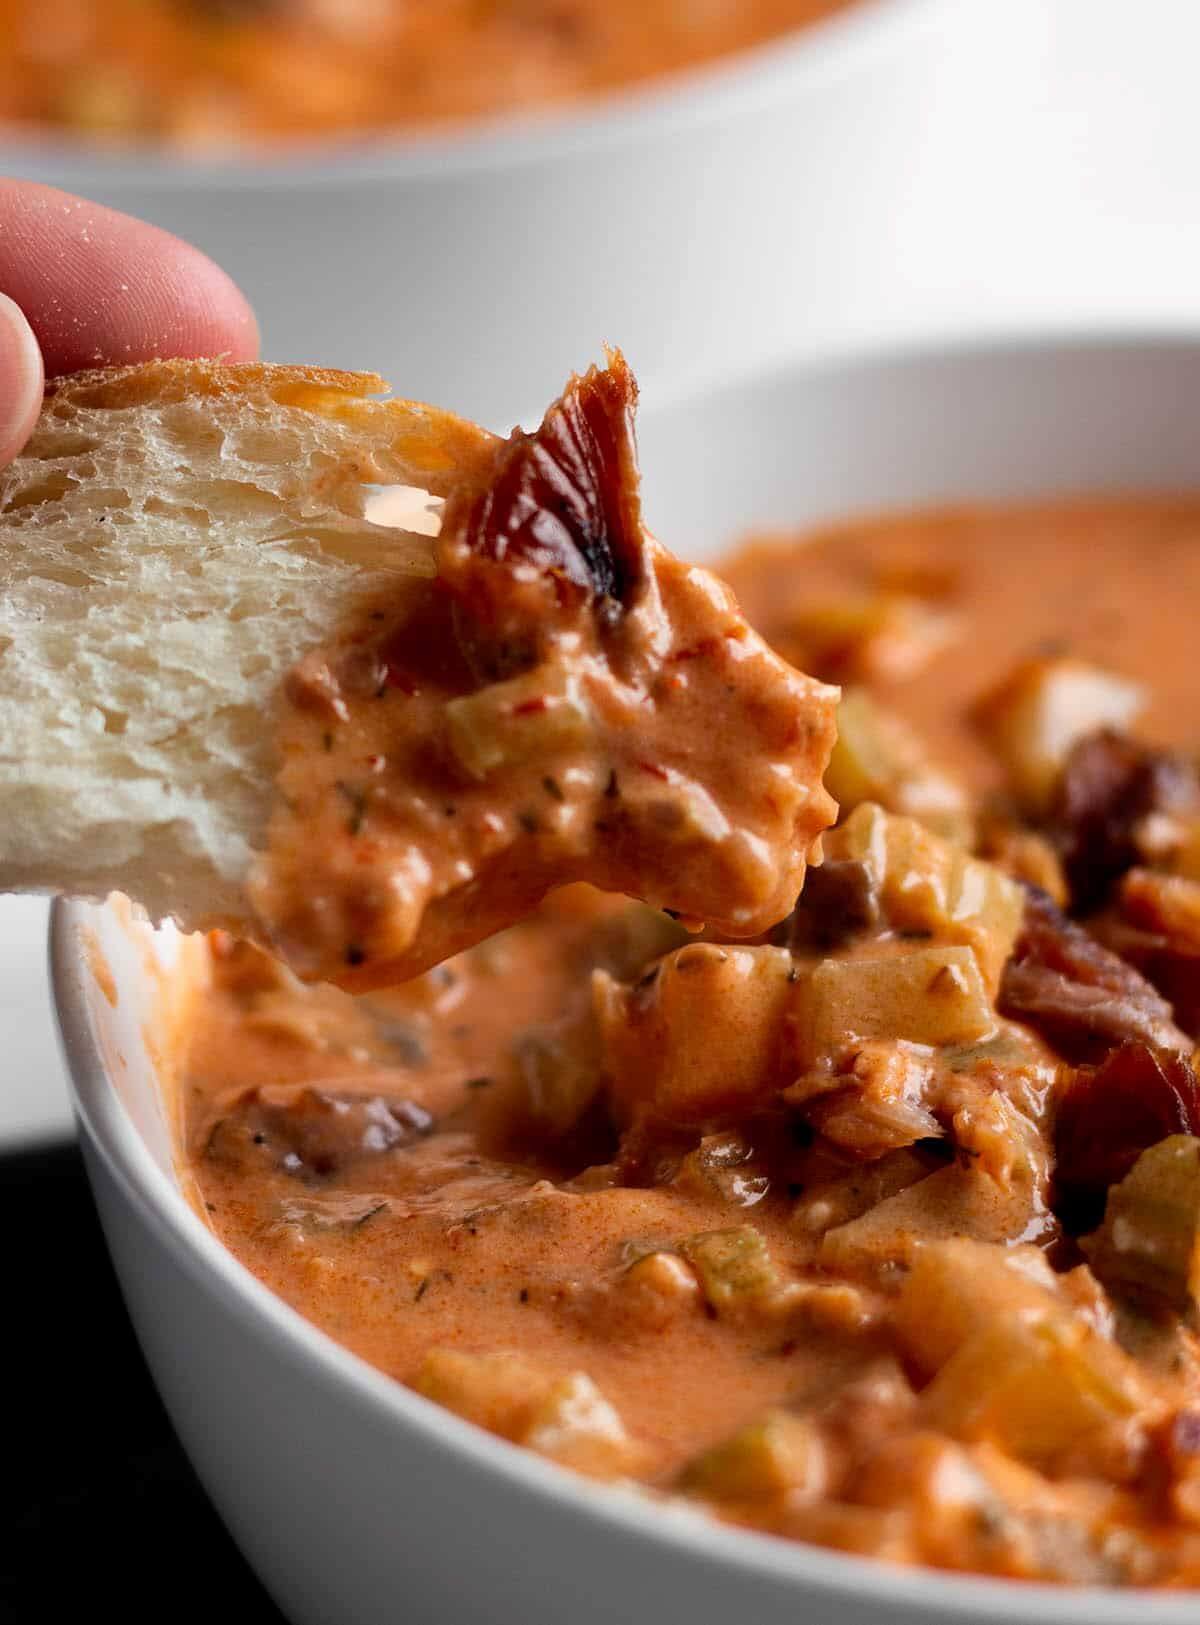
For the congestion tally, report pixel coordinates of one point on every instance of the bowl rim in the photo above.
(782, 68)
(692, 1534)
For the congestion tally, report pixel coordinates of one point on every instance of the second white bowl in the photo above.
(690, 220)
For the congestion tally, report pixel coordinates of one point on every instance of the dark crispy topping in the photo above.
(564, 500)
(314, 1133)
(839, 900)
(1109, 785)
(1109, 1115)
(1077, 993)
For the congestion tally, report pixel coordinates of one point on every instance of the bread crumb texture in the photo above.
(173, 538)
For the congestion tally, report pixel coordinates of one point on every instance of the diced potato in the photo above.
(511, 723)
(657, 1288)
(566, 1418)
(782, 1454)
(735, 1268)
(878, 637)
(1149, 1243)
(576, 1426)
(1032, 720)
(938, 1483)
(884, 1533)
(926, 996)
(878, 757)
(928, 884)
(499, 1392)
(1038, 1388)
(666, 1057)
(956, 1287)
(953, 1202)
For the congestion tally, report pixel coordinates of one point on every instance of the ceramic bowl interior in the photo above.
(345, 1489)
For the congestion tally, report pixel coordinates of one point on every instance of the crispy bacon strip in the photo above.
(560, 513)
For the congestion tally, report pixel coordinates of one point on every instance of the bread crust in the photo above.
(438, 447)
(174, 537)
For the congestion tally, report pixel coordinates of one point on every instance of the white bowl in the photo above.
(689, 219)
(356, 1500)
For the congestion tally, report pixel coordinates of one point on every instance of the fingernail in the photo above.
(20, 379)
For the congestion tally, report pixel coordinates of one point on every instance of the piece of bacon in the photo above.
(1109, 785)
(554, 526)
(1080, 996)
(313, 1132)
(1109, 1114)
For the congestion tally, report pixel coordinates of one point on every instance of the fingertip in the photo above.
(214, 315)
(101, 288)
(21, 379)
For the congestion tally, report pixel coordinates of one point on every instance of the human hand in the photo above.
(84, 286)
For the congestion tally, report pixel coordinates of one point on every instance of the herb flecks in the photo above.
(356, 798)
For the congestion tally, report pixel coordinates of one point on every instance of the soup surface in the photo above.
(880, 1232)
(205, 73)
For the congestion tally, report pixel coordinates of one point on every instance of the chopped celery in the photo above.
(1149, 1243)
(877, 757)
(510, 723)
(928, 884)
(1032, 720)
(781, 1454)
(1038, 1388)
(560, 1074)
(925, 995)
(734, 1266)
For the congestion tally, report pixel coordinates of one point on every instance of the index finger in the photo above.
(99, 287)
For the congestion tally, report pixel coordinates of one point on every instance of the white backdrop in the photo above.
(1059, 183)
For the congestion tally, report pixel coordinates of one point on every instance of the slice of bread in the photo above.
(228, 693)
(173, 539)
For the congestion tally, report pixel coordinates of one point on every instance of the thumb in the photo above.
(20, 380)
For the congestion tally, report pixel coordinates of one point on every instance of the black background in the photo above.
(104, 1518)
